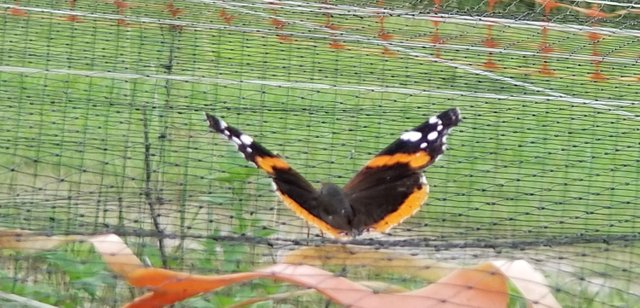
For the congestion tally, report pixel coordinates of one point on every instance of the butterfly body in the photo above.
(334, 207)
(388, 189)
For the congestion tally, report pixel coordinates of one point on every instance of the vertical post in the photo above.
(435, 36)
(595, 39)
(17, 11)
(489, 42)
(545, 47)
(278, 23)
(335, 43)
(71, 17)
(382, 32)
(226, 17)
(122, 7)
(173, 10)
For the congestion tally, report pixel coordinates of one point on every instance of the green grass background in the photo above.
(521, 166)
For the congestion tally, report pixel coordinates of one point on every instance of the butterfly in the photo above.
(387, 190)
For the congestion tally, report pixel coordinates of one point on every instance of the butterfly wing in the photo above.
(294, 190)
(391, 186)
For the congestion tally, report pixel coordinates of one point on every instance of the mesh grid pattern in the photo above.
(103, 129)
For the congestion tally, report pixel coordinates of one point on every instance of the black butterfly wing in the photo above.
(391, 186)
(294, 190)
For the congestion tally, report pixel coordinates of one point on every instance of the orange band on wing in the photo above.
(267, 163)
(414, 160)
(409, 207)
(304, 214)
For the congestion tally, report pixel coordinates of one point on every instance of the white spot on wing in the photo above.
(273, 185)
(433, 120)
(444, 139)
(412, 136)
(222, 124)
(226, 133)
(249, 150)
(423, 180)
(432, 136)
(440, 127)
(236, 140)
(246, 139)
(423, 145)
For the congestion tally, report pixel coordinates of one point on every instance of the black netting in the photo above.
(103, 132)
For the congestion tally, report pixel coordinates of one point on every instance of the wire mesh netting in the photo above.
(103, 131)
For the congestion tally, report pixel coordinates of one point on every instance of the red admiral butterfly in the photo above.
(389, 189)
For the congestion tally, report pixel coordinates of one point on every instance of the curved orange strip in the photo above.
(178, 286)
(304, 214)
(116, 254)
(409, 207)
(484, 285)
(267, 163)
(169, 287)
(415, 161)
(481, 286)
